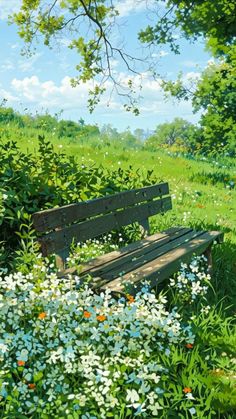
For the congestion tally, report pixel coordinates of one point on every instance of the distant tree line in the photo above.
(209, 137)
(52, 126)
(178, 135)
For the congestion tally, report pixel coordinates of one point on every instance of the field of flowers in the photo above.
(66, 352)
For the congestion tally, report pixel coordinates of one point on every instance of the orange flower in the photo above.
(187, 390)
(42, 315)
(21, 363)
(189, 345)
(31, 386)
(101, 318)
(130, 298)
(87, 314)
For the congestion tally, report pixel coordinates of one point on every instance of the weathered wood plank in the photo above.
(161, 268)
(144, 227)
(138, 259)
(90, 229)
(208, 254)
(126, 250)
(128, 262)
(60, 217)
(61, 258)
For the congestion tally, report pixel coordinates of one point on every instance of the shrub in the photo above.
(8, 115)
(29, 183)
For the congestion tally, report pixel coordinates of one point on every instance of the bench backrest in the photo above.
(58, 227)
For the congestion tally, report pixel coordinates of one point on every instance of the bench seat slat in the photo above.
(131, 262)
(159, 269)
(63, 238)
(60, 217)
(140, 256)
(131, 248)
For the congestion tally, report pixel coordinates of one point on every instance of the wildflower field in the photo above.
(66, 352)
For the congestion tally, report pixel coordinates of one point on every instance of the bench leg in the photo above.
(61, 259)
(144, 227)
(208, 255)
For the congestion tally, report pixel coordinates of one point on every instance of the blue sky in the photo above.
(42, 82)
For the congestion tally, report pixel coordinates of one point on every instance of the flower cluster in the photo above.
(90, 249)
(192, 281)
(65, 349)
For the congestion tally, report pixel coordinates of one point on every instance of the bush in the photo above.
(8, 115)
(30, 183)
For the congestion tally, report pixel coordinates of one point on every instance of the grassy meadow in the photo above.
(191, 373)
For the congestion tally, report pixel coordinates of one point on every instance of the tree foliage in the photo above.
(215, 96)
(215, 21)
(89, 25)
(111, 137)
(178, 133)
(8, 115)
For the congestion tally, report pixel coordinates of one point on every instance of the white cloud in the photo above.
(37, 94)
(28, 64)
(31, 89)
(64, 42)
(14, 46)
(48, 93)
(4, 94)
(126, 7)
(160, 54)
(7, 65)
(7, 7)
(189, 63)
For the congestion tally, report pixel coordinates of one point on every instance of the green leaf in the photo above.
(38, 376)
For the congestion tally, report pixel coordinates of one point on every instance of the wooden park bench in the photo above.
(154, 258)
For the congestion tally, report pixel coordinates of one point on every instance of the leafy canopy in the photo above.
(214, 93)
(90, 24)
(215, 21)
